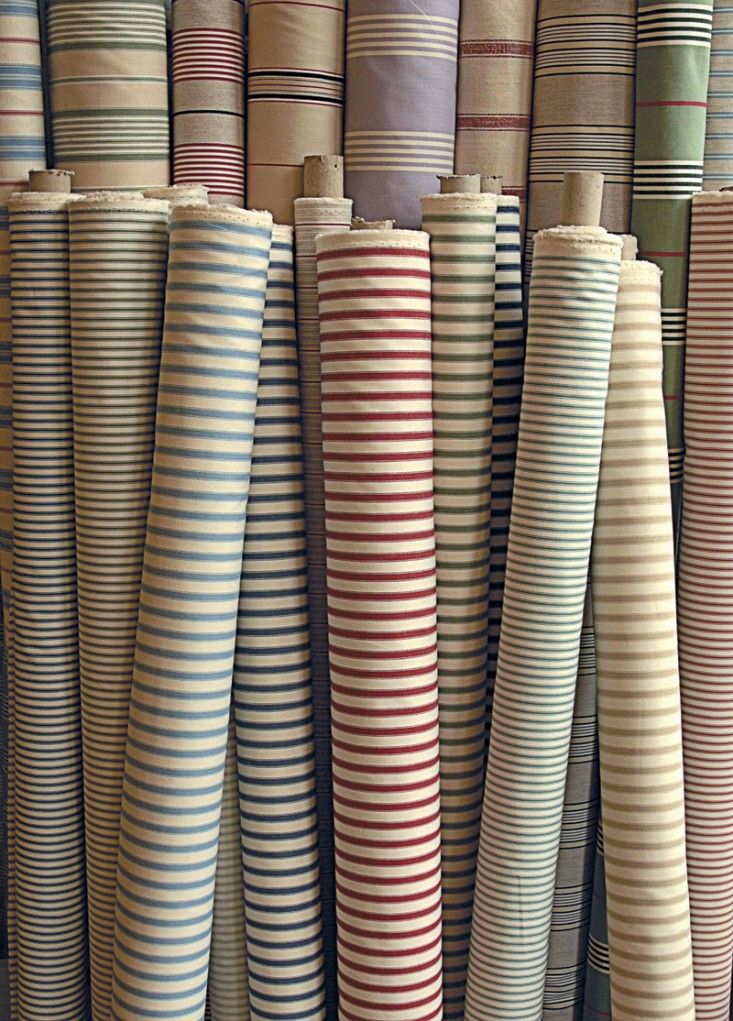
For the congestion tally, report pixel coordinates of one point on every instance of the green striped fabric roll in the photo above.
(184, 658)
(571, 308)
(118, 247)
(597, 1001)
(49, 817)
(462, 231)
(673, 57)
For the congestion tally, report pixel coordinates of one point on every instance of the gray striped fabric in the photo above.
(182, 676)
(597, 1002)
(571, 307)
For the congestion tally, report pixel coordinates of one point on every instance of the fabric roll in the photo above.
(401, 61)
(495, 76)
(314, 216)
(462, 231)
(374, 306)
(295, 80)
(597, 1001)
(571, 308)
(49, 815)
(640, 732)
(118, 248)
(208, 97)
(182, 675)
(671, 92)
(272, 686)
(179, 194)
(704, 611)
(108, 70)
(718, 165)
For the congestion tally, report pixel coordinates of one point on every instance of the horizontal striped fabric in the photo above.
(374, 306)
(639, 724)
(571, 307)
(208, 96)
(182, 677)
(718, 165)
(401, 63)
(118, 247)
(705, 615)
(108, 72)
(295, 80)
(597, 1002)
(49, 821)
(272, 686)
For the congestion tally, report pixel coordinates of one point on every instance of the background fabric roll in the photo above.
(718, 165)
(401, 63)
(597, 999)
(295, 80)
(208, 97)
(573, 294)
(182, 676)
(374, 306)
(49, 818)
(108, 70)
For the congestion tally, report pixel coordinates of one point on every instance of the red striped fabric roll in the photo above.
(374, 305)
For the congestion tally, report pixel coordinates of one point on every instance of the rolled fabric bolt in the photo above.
(582, 198)
(323, 177)
(358, 223)
(597, 999)
(492, 184)
(180, 194)
(718, 165)
(450, 184)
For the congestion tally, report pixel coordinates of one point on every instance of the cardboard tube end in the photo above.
(582, 196)
(360, 224)
(58, 181)
(323, 177)
(459, 184)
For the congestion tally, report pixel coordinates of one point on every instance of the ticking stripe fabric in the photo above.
(182, 676)
(571, 308)
(118, 247)
(108, 72)
(462, 232)
(49, 820)
(704, 610)
(401, 61)
(718, 165)
(597, 1001)
(295, 81)
(671, 93)
(272, 687)
(374, 304)
(208, 97)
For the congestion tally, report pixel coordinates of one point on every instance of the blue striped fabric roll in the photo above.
(182, 675)
(272, 687)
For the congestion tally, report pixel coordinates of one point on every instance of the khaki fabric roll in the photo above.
(718, 165)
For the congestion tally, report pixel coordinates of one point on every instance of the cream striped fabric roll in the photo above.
(462, 232)
(295, 80)
(374, 305)
(49, 817)
(639, 724)
(718, 165)
(108, 72)
(180, 194)
(118, 248)
(571, 308)
(182, 676)
(272, 686)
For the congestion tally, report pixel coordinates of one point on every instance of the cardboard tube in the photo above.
(359, 224)
(454, 184)
(50, 180)
(630, 248)
(491, 184)
(581, 198)
(323, 177)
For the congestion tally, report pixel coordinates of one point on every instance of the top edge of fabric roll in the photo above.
(639, 271)
(178, 192)
(132, 200)
(282, 232)
(507, 200)
(712, 198)
(375, 238)
(597, 238)
(463, 200)
(49, 200)
(223, 213)
(309, 200)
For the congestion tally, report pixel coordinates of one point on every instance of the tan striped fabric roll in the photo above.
(639, 722)
(180, 194)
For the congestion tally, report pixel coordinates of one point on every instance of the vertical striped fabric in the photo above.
(495, 72)
(374, 304)
(108, 70)
(671, 93)
(401, 62)
(272, 686)
(597, 1002)
(639, 724)
(704, 609)
(49, 823)
(571, 308)
(718, 165)
(118, 247)
(208, 97)
(462, 232)
(295, 80)
(181, 687)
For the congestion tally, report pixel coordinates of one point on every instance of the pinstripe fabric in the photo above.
(295, 80)
(181, 686)
(597, 1002)
(118, 247)
(374, 305)
(462, 232)
(571, 307)
(671, 92)
(272, 686)
(718, 165)
(401, 62)
(108, 71)
(49, 823)
(639, 724)
(704, 608)
(208, 97)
